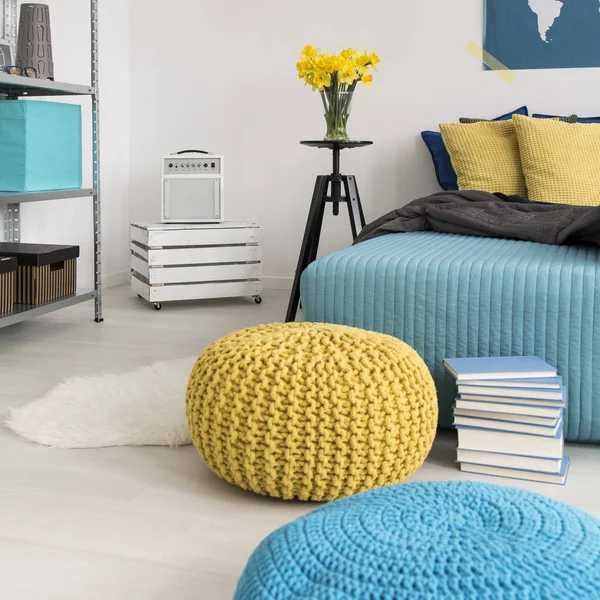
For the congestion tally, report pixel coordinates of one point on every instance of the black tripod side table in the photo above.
(312, 233)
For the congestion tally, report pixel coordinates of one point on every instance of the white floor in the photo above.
(148, 523)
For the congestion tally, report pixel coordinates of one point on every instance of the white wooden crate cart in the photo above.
(185, 261)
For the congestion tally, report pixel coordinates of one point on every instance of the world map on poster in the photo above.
(543, 34)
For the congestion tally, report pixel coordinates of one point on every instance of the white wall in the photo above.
(221, 75)
(70, 221)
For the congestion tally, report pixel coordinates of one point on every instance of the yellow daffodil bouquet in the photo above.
(335, 77)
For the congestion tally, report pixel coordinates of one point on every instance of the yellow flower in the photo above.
(335, 63)
(308, 79)
(321, 69)
(310, 51)
(362, 60)
(304, 67)
(362, 63)
(321, 80)
(321, 62)
(348, 53)
(375, 60)
(348, 75)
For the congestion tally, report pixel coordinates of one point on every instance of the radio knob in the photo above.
(205, 165)
(170, 165)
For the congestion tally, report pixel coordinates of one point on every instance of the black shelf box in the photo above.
(46, 272)
(8, 277)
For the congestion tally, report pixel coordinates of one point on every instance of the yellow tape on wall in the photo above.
(489, 61)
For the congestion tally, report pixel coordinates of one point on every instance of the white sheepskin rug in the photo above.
(145, 407)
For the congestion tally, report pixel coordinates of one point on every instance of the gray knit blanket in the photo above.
(491, 215)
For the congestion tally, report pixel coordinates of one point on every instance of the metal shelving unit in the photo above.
(13, 87)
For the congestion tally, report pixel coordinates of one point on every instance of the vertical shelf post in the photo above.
(12, 212)
(10, 22)
(12, 223)
(96, 164)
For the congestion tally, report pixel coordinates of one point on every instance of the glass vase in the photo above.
(337, 106)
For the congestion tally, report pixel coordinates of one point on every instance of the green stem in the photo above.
(337, 103)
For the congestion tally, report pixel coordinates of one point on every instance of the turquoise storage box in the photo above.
(40, 146)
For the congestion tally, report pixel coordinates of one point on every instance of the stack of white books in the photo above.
(509, 417)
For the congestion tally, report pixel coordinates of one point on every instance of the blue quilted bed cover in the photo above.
(450, 295)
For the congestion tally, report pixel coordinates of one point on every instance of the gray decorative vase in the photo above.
(34, 43)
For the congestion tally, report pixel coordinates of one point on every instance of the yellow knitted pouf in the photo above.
(311, 411)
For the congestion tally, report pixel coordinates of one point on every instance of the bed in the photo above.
(453, 295)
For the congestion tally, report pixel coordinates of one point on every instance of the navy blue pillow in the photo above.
(523, 110)
(441, 159)
(579, 119)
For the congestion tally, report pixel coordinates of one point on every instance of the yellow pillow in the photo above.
(485, 156)
(561, 161)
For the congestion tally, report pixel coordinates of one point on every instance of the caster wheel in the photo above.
(257, 299)
(157, 306)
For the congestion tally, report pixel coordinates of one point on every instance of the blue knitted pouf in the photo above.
(435, 540)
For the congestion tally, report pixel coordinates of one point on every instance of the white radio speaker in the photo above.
(192, 188)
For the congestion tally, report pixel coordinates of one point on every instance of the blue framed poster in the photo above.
(543, 34)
